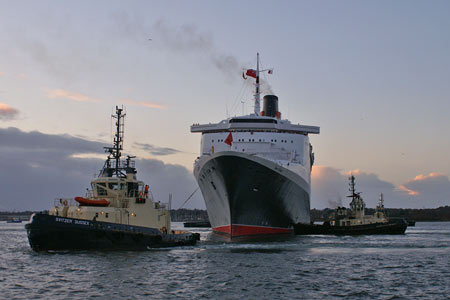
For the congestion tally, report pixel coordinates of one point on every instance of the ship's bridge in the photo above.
(255, 123)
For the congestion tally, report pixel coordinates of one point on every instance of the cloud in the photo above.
(143, 103)
(7, 112)
(435, 187)
(409, 191)
(42, 167)
(330, 188)
(155, 150)
(63, 94)
(170, 178)
(2, 73)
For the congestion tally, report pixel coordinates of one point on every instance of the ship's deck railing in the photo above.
(279, 156)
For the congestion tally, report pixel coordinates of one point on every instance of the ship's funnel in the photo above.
(270, 106)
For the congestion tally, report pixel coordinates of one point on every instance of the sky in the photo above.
(373, 75)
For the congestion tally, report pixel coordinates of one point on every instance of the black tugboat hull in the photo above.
(392, 227)
(198, 224)
(46, 232)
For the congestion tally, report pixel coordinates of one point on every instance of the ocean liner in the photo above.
(254, 171)
(117, 213)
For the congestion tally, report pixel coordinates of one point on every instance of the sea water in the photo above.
(415, 265)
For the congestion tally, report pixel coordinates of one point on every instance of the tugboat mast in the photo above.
(352, 186)
(115, 151)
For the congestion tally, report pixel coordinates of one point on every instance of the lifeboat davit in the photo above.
(90, 202)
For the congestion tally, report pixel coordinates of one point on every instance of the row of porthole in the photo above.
(252, 140)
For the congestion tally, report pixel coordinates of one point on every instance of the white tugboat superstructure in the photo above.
(254, 171)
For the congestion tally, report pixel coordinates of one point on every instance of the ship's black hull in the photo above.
(46, 232)
(249, 196)
(394, 226)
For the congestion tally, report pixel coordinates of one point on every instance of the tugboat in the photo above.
(118, 213)
(356, 222)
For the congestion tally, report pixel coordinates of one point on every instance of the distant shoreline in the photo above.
(440, 214)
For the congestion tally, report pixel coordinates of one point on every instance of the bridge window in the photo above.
(253, 121)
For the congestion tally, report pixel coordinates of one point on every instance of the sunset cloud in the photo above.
(143, 104)
(434, 186)
(63, 94)
(7, 112)
(330, 188)
(409, 191)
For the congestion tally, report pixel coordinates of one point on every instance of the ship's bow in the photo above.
(249, 196)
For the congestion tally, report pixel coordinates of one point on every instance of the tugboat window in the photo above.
(132, 189)
(113, 186)
(101, 190)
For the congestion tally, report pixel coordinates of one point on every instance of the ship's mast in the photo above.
(257, 92)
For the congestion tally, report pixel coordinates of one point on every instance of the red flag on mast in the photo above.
(229, 139)
(251, 73)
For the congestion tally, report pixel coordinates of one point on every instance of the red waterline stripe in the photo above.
(246, 230)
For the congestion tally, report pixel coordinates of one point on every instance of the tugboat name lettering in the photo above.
(82, 222)
(63, 220)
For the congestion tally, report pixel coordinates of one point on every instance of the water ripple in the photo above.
(411, 266)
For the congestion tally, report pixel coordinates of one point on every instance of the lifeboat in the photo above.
(90, 202)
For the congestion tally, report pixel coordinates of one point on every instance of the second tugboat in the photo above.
(118, 213)
(357, 223)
